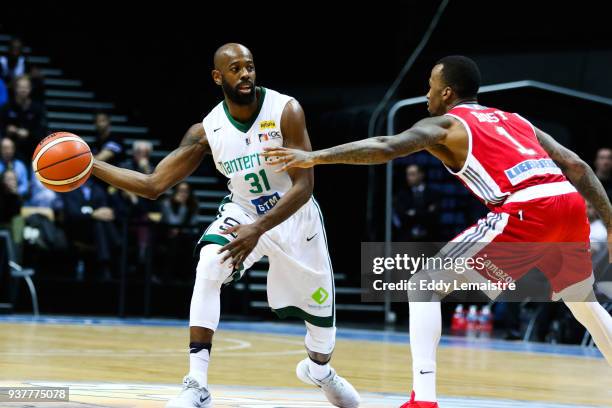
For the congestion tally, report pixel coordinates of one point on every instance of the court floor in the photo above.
(140, 363)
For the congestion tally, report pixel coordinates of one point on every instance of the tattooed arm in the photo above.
(582, 177)
(580, 174)
(375, 150)
(173, 168)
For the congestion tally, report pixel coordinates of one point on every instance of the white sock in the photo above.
(598, 322)
(425, 332)
(318, 371)
(198, 367)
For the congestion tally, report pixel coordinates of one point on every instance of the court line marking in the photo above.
(161, 352)
(256, 396)
(345, 334)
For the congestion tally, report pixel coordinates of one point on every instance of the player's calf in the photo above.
(316, 370)
(203, 321)
(598, 322)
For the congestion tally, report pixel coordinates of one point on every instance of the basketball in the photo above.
(62, 161)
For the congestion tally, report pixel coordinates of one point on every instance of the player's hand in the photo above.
(290, 158)
(247, 236)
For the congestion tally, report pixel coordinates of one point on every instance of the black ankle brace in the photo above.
(319, 362)
(197, 347)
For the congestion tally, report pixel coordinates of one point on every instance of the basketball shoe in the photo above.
(419, 404)
(337, 390)
(191, 396)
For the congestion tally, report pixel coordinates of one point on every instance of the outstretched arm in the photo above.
(582, 177)
(380, 149)
(173, 168)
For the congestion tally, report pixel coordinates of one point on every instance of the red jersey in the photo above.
(504, 155)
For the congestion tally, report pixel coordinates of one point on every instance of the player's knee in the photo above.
(580, 292)
(320, 340)
(210, 267)
(582, 311)
(420, 284)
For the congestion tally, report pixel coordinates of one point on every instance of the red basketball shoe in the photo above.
(419, 404)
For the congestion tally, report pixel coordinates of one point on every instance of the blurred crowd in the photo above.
(95, 221)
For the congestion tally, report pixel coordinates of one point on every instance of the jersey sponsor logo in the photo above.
(240, 163)
(264, 204)
(320, 296)
(530, 168)
(274, 134)
(267, 124)
(495, 272)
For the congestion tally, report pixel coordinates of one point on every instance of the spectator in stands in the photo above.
(10, 200)
(9, 162)
(603, 168)
(135, 208)
(181, 209)
(14, 64)
(108, 147)
(599, 233)
(179, 216)
(88, 220)
(141, 157)
(41, 196)
(415, 208)
(141, 162)
(23, 119)
(10, 208)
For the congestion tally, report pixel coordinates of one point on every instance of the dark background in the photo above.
(154, 62)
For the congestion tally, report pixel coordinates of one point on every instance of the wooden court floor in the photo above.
(140, 366)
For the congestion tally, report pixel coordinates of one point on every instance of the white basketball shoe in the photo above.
(191, 396)
(337, 390)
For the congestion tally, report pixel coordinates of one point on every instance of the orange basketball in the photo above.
(62, 161)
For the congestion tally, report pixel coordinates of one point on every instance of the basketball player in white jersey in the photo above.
(534, 187)
(266, 214)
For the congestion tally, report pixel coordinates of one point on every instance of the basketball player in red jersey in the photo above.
(531, 184)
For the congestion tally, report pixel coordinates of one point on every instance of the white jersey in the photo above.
(300, 279)
(236, 146)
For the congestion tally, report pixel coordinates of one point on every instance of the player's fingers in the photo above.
(276, 153)
(230, 230)
(238, 258)
(228, 247)
(276, 160)
(274, 149)
(226, 255)
(237, 261)
(234, 255)
(290, 164)
(245, 254)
